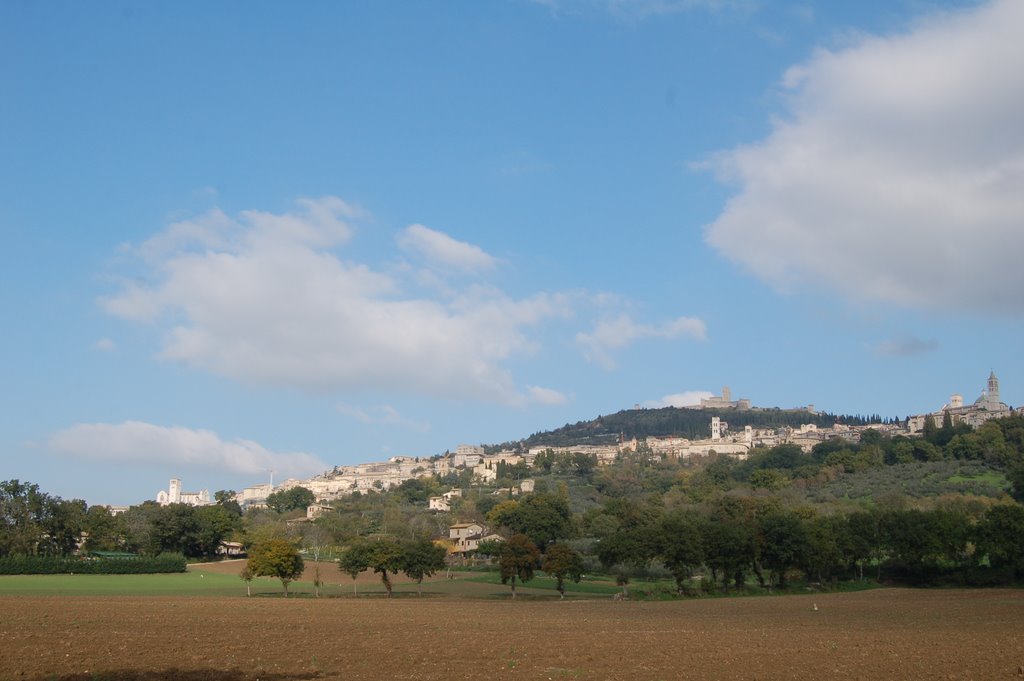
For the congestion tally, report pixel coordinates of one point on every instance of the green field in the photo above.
(478, 585)
(198, 583)
(177, 584)
(604, 587)
(990, 477)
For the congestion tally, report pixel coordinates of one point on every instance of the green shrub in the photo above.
(83, 565)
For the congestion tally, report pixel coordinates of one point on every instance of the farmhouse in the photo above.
(465, 536)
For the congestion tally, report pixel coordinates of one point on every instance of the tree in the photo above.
(544, 461)
(276, 558)
(489, 547)
(682, 547)
(768, 478)
(62, 526)
(867, 542)
(422, 558)
(214, 524)
(316, 542)
(385, 556)
(1001, 537)
(784, 543)
(518, 559)
(226, 499)
(33, 522)
(103, 531)
(290, 499)
(544, 518)
(634, 543)
(247, 575)
(561, 561)
(729, 550)
(1015, 474)
(354, 560)
(827, 549)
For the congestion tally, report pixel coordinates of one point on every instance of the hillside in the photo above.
(673, 421)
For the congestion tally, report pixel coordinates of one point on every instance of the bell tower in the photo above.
(993, 387)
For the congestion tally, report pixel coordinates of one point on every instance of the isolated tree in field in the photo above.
(385, 556)
(247, 575)
(276, 558)
(354, 560)
(518, 558)
(316, 541)
(561, 561)
(422, 558)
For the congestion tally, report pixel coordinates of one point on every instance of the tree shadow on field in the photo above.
(179, 675)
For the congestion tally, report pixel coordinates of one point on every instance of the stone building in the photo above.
(987, 406)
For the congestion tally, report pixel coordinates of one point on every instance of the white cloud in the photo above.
(135, 442)
(383, 414)
(105, 345)
(897, 174)
(618, 333)
(689, 398)
(440, 249)
(267, 299)
(545, 396)
(906, 346)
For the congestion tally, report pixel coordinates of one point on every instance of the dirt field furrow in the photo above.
(883, 634)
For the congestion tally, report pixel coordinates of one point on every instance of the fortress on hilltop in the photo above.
(725, 401)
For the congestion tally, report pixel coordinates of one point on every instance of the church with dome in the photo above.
(987, 406)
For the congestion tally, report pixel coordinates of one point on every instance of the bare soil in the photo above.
(882, 634)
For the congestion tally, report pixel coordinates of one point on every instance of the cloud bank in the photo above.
(689, 398)
(382, 414)
(441, 249)
(618, 333)
(906, 346)
(268, 299)
(136, 442)
(896, 174)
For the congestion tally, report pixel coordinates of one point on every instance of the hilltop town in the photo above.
(483, 465)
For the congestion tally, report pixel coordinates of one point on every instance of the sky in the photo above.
(244, 237)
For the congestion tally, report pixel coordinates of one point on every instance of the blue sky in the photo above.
(251, 236)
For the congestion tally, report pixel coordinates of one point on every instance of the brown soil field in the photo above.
(881, 634)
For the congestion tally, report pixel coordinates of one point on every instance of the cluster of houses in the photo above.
(344, 480)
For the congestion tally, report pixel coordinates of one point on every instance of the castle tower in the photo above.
(956, 401)
(726, 394)
(174, 492)
(716, 428)
(993, 387)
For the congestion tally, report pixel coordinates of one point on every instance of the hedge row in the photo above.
(53, 565)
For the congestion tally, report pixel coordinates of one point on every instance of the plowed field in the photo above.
(882, 634)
